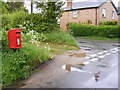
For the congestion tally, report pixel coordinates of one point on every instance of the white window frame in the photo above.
(75, 14)
(103, 12)
(113, 14)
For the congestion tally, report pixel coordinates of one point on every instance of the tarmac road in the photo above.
(99, 69)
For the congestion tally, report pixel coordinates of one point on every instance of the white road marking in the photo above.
(105, 51)
(94, 55)
(100, 53)
(117, 50)
(114, 51)
(87, 57)
(86, 63)
(102, 56)
(94, 59)
(108, 54)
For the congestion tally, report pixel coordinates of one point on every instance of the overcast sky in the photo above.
(27, 4)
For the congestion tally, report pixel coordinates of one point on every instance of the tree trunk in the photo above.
(31, 6)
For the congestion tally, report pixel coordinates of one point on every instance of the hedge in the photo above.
(106, 31)
(27, 21)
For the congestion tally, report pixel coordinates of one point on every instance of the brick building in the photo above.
(119, 13)
(88, 12)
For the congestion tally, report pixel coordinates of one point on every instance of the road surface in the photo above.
(99, 68)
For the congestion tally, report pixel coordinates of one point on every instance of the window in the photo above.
(113, 15)
(103, 12)
(74, 14)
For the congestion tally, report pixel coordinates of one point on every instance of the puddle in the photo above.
(87, 48)
(81, 42)
(49, 82)
(97, 75)
(101, 65)
(75, 68)
(117, 45)
(80, 55)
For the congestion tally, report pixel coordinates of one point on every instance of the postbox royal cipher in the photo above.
(14, 38)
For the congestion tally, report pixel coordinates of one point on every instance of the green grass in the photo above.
(60, 38)
(63, 47)
(95, 38)
(18, 65)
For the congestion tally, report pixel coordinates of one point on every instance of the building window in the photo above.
(113, 15)
(74, 14)
(103, 12)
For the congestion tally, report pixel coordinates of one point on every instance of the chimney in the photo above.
(69, 4)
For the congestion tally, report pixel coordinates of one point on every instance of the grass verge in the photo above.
(60, 38)
(95, 38)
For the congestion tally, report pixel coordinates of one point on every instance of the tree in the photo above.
(31, 6)
(4, 7)
(15, 6)
(51, 11)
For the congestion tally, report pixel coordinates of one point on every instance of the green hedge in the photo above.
(107, 31)
(26, 22)
(109, 23)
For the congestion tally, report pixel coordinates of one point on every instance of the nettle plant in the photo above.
(34, 37)
(26, 26)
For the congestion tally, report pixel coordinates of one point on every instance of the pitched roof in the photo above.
(85, 4)
(118, 10)
(88, 4)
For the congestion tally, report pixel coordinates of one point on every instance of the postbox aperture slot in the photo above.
(17, 32)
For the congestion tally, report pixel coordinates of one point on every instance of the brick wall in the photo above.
(82, 16)
(88, 14)
(118, 19)
(109, 8)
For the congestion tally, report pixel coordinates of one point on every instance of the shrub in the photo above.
(14, 19)
(89, 30)
(26, 22)
(109, 23)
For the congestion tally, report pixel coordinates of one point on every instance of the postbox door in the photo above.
(18, 40)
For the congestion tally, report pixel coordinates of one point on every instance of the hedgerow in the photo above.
(109, 23)
(107, 31)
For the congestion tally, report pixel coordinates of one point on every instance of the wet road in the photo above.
(95, 65)
(100, 69)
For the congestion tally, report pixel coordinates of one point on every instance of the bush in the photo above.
(14, 19)
(89, 30)
(109, 23)
(26, 22)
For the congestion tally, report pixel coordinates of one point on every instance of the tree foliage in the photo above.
(51, 11)
(10, 7)
(13, 6)
(4, 7)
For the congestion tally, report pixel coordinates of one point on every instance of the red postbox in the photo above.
(14, 38)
